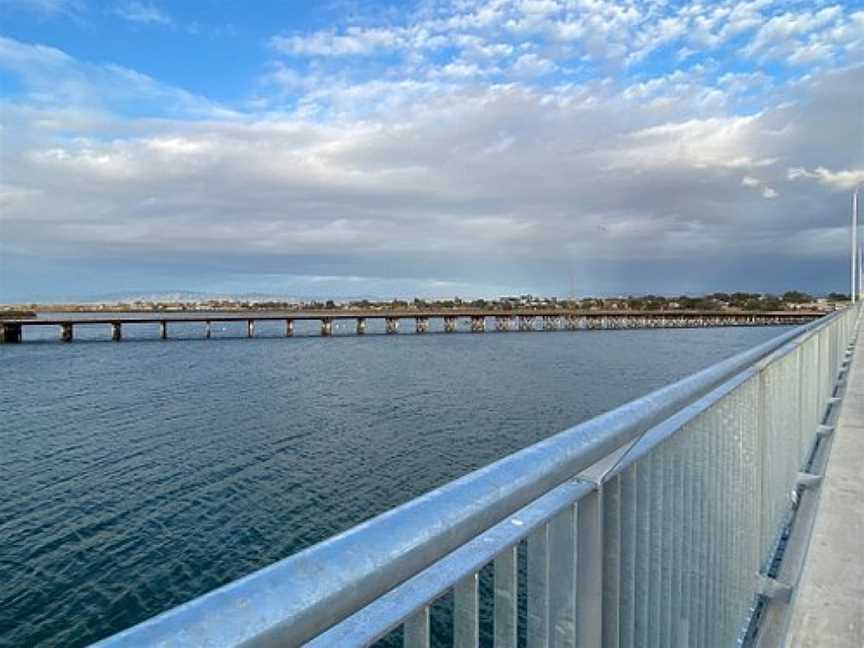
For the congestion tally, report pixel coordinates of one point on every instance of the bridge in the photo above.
(682, 518)
(448, 321)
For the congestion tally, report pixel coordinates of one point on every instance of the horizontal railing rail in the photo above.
(646, 525)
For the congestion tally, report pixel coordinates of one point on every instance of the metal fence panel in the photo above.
(659, 543)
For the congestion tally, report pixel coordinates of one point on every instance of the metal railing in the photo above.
(655, 524)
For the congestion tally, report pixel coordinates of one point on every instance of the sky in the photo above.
(431, 148)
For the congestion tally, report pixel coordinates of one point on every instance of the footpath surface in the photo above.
(829, 607)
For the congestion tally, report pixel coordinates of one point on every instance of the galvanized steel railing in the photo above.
(655, 524)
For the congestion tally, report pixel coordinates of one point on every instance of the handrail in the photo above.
(297, 598)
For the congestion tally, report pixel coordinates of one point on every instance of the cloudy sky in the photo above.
(427, 147)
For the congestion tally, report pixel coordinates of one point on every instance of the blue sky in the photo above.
(429, 147)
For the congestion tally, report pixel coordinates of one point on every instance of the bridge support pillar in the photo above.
(503, 323)
(391, 325)
(422, 324)
(478, 324)
(289, 328)
(250, 328)
(550, 323)
(449, 324)
(207, 330)
(526, 323)
(116, 331)
(163, 330)
(326, 327)
(10, 333)
(361, 325)
(66, 332)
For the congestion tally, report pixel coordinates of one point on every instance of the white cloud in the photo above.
(530, 37)
(56, 79)
(532, 65)
(842, 180)
(46, 7)
(142, 12)
(355, 41)
(479, 150)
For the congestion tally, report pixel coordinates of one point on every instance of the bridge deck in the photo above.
(829, 608)
(261, 316)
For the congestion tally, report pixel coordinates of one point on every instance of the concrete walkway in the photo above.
(829, 607)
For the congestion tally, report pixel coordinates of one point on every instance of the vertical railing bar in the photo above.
(629, 519)
(655, 582)
(667, 565)
(612, 550)
(747, 545)
(714, 524)
(739, 557)
(506, 598)
(762, 460)
(643, 538)
(538, 587)
(563, 578)
(701, 580)
(688, 497)
(589, 566)
(416, 630)
(804, 431)
(753, 508)
(466, 616)
(718, 618)
(730, 441)
(677, 527)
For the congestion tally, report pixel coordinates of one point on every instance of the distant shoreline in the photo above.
(16, 314)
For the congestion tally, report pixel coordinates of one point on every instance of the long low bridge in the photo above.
(682, 518)
(475, 321)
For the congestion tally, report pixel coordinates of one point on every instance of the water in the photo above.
(140, 474)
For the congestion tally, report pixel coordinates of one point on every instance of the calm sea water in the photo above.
(137, 475)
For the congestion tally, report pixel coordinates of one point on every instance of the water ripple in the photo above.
(137, 475)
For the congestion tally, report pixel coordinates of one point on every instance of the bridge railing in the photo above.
(655, 524)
